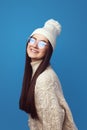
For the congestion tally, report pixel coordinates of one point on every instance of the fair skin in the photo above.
(33, 51)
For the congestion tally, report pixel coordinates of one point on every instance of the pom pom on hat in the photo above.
(50, 30)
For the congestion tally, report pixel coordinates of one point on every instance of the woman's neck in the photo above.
(35, 65)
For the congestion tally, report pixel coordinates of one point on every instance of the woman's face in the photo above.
(37, 47)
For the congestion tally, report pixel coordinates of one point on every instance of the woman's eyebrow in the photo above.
(34, 37)
(39, 40)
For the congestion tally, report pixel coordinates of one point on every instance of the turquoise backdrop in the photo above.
(18, 18)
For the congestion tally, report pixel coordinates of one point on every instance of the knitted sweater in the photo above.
(52, 108)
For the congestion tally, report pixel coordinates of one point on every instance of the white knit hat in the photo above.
(50, 30)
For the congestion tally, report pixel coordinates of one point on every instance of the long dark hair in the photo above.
(27, 101)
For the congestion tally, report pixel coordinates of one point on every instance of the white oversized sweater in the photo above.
(52, 108)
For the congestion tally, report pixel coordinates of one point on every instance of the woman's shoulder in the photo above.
(49, 80)
(48, 75)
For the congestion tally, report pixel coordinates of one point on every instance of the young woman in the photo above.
(42, 97)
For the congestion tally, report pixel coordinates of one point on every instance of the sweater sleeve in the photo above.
(51, 114)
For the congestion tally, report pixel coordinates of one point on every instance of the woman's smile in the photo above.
(33, 50)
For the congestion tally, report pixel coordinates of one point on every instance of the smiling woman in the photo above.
(42, 97)
(37, 47)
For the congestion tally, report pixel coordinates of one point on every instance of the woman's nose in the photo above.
(35, 44)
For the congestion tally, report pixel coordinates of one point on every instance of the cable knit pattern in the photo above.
(52, 108)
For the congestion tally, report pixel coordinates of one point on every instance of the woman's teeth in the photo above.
(34, 51)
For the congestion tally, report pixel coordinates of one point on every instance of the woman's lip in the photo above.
(34, 50)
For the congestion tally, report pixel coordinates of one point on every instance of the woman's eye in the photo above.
(42, 44)
(32, 40)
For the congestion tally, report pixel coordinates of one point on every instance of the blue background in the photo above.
(18, 18)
